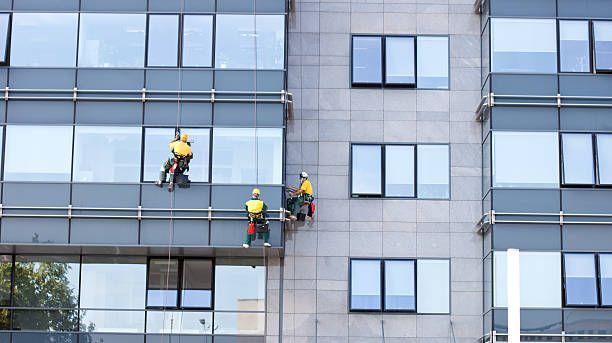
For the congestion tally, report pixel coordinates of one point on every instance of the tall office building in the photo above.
(436, 133)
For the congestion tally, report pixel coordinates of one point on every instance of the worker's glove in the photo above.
(267, 222)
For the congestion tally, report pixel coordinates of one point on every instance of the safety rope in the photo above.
(172, 195)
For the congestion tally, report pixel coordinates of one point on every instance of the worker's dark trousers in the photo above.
(249, 238)
(165, 169)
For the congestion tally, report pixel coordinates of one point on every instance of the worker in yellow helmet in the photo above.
(301, 197)
(257, 212)
(181, 150)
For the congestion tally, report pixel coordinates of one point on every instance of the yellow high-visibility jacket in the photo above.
(256, 206)
(181, 149)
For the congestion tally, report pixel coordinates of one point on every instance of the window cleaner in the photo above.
(301, 200)
(177, 164)
(257, 212)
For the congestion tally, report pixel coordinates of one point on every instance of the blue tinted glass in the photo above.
(605, 272)
(48, 157)
(365, 285)
(399, 170)
(604, 158)
(432, 62)
(399, 60)
(4, 23)
(365, 169)
(235, 41)
(119, 161)
(523, 45)
(574, 46)
(433, 171)
(580, 279)
(44, 39)
(197, 283)
(399, 285)
(603, 44)
(162, 287)
(367, 59)
(578, 165)
(112, 40)
(197, 41)
(163, 41)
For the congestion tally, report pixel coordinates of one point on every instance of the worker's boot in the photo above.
(162, 177)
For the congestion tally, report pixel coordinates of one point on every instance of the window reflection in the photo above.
(366, 173)
(399, 170)
(229, 323)
(400, 285)
(119, 161)
(365, 285)
(602, 31)
(44, 39)
(197, 283)
(179, 322)
(399, 60)
(580, 279)
(367, 60)
(433, 168)
(113, 321)
(237, 36)
(604, 158)
(112, 40)
(432, 62)
(232, 295)
(48, 157)
(157, 152)
(162, 50)
(574, 46)
(234, 152)
(113, 283)
(197, 40)
(162, 288)
(433, 284)
(605, 275)
(45, 320)
(523, 45)
(578, 167)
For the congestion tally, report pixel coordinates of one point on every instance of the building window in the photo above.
(4, 37)
(420, 62)
(433, 171)
(421, 286)
(157, 152)
(523, 45)
(235, 303)
(193, 276)
(48, 155)
(44, 39)
(400, 61)
(247, 155)
(366, 171)
(605, 279)
(179, 322)
(389, 171)
(365, 285)
(432, 62)
(112, 40)
(540, 279)
(433, 284)
(399, 170)
(574, 46)
(119, 161)
(197, 40)
(580, 280)
(367, 60)
(577, 159)
(602, 32)
(604, 159)
(400, 285)
(526, 159)
(163, 41)
(250, 41)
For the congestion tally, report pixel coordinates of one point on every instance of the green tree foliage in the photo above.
(39, 285)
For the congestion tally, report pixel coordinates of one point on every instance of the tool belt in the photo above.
(255, 216)
(262, 227)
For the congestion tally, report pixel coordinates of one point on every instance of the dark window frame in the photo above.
(382, 308)
(382, 194)
(9, 34)
(594, 50)
(595, 149)
(591, 48)
(383, 83)
(598, 278)
(179, 285)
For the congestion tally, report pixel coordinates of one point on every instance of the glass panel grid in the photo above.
(365, 285)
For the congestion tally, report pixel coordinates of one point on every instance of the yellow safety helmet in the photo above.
(184, 137)
(256, 191)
